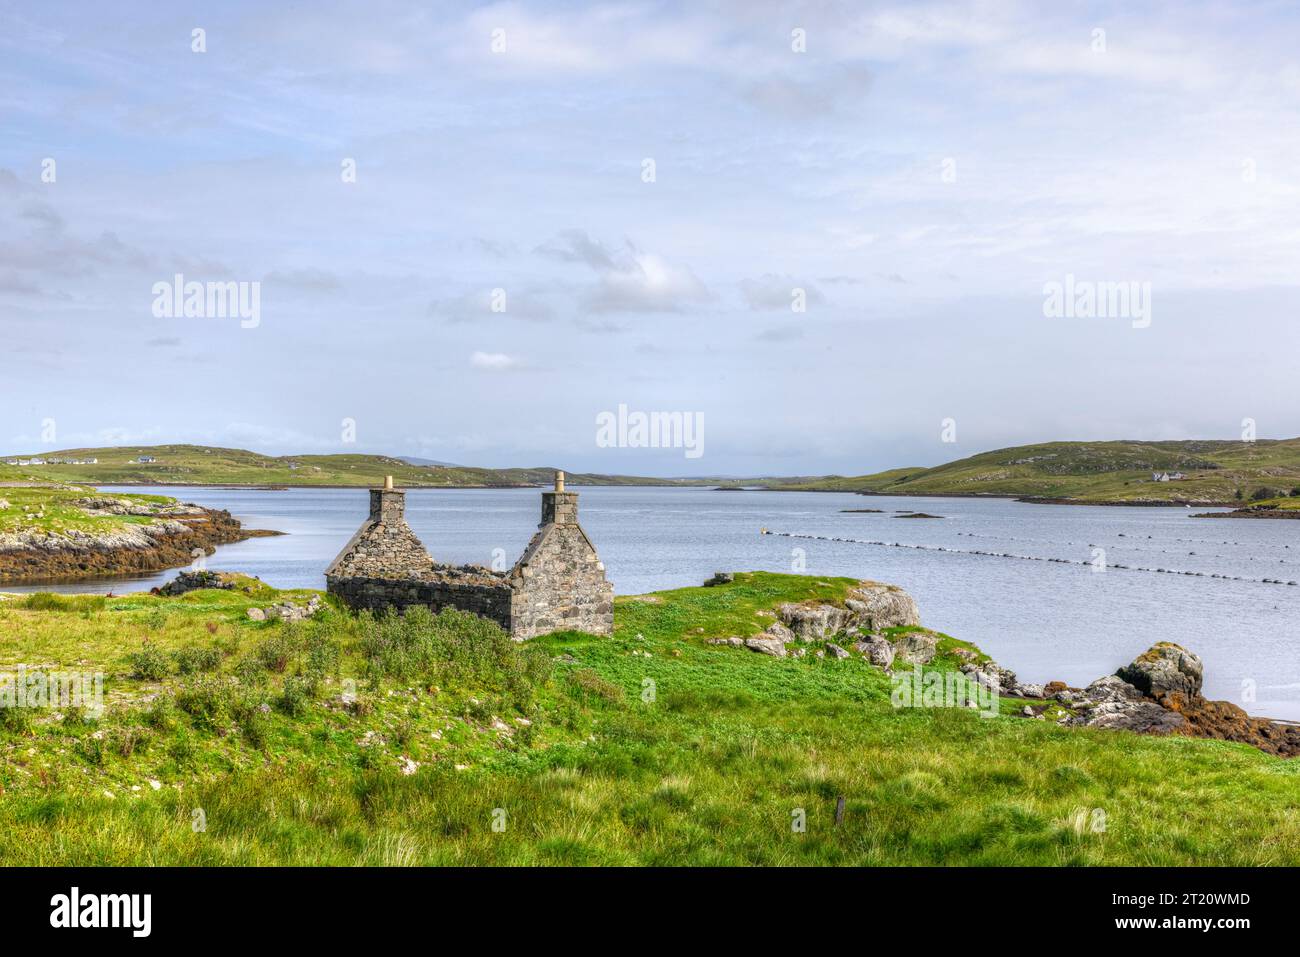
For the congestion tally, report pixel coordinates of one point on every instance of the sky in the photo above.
(825, 232)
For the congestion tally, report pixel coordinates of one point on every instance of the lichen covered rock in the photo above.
(1163, 669)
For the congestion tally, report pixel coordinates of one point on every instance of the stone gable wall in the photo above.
(560, 584)
(385, 546)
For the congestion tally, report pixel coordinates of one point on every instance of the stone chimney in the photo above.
(387, 504)
(559, 507)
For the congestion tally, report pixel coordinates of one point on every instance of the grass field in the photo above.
(228, 741)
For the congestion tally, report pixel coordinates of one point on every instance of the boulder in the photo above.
(835, 651)
(1163, 669)
(257, 614)
(767, 646)
(735, 641)
(877, 650)
(778, 631)
(813, 622)
(916, 647)
(876, 606)
(719, 578)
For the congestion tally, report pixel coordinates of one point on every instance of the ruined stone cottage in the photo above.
(558, 584)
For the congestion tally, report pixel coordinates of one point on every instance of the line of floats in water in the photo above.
(1030, 558)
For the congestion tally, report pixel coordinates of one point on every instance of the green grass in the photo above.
(648, 747)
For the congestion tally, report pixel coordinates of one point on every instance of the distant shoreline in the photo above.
(1029, 500)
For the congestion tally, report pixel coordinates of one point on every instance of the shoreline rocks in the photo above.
(1159, 692)
(170, 541)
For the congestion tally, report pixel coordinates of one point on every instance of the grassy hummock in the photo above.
(354, 740)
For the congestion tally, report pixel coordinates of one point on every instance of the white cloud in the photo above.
(629, 279)
(493, 361)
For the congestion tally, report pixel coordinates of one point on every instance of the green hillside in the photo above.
(1213, 472)
(201, 465)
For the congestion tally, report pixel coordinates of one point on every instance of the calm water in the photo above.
(1044, 620)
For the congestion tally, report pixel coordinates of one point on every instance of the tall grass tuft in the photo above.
(453, 648)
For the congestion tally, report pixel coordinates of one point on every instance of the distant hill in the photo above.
(1203, 472)
(416, 460)
(203, 465)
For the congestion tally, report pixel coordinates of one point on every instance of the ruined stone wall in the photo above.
(487, 599)
(560, 584)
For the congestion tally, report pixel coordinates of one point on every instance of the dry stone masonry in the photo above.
(558, 584)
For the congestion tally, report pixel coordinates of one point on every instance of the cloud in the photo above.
(308, 280)
(842, 87)
(628, 278)
(493, 361)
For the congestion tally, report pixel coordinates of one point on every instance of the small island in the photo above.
(67, 532)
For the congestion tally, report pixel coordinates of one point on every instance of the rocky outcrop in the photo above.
(171, 539)
(814, 622)
(1111, 702)
(876, 606)
(1159, 692)
(869, 606)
